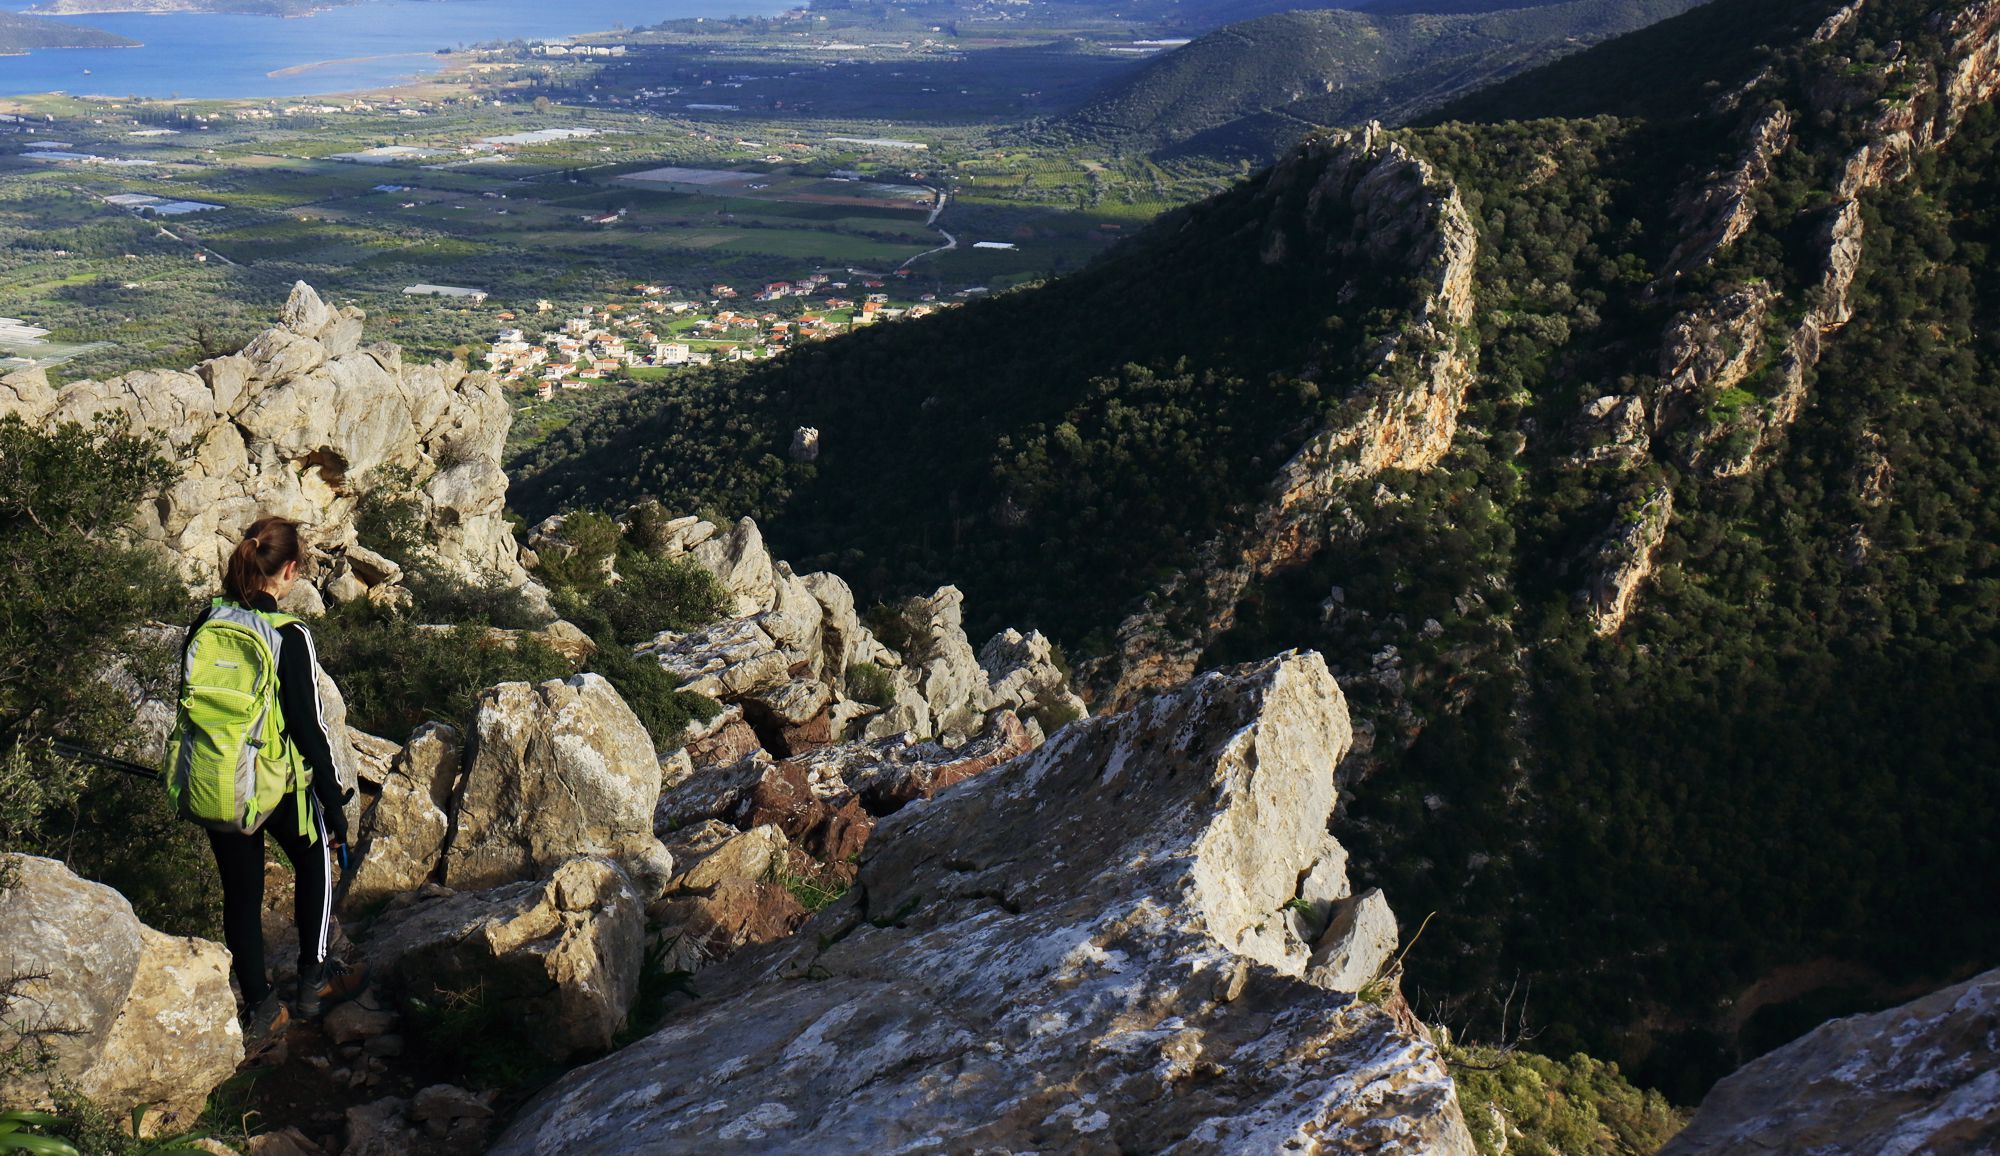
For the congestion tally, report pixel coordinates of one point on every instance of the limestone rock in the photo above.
(1924, 1077)
(379, 1129)
(1022, 675)
(560, 769)
(403, 833)
(1082, 951)
(561, 958)
(302, 423)
(711, 851)
(1356, 945)
(727, 660)
(743, 566)
(152, 1017)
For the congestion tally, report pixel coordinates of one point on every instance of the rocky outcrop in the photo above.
(1403, 418)
(1624, 559)
(1924, 1077)
(1098, 947)
(128, 1015)
(304, 423)
(786, 655)
(559, 959)
(556, 770)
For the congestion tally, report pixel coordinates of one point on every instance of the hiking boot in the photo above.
(330, 983)
(264, 1025)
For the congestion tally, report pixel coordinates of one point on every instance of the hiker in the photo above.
(250, 754)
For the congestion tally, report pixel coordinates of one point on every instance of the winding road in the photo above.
(950, 242)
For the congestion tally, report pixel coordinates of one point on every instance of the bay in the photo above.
(206, 56)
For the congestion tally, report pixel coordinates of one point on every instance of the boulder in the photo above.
(844, 640)
(402, 835)
(146, 1018)
(1357, 943)
(559, 959)
(560, 769)
(792, 717)
(1084, 950)
(727, 660)
(1923, 1077)
(710, 852)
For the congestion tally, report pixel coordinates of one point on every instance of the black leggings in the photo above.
(240, 858)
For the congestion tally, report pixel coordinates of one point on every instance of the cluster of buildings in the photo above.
(663, 328)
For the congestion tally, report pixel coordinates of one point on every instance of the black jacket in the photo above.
(305, 727)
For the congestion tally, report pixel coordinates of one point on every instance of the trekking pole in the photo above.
(79, 754)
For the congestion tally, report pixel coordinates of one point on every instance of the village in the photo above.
(661, 328)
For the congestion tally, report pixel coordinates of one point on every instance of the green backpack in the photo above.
(228, 764)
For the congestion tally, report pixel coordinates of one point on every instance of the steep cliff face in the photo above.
(1103, 946)
(308, 422)
(1402, 416)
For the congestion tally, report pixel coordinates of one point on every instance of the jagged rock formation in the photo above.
(1403, 418)
(787, 656)
(1101, 946)
(303, 423)
(128, 1015)
(1924, 1077)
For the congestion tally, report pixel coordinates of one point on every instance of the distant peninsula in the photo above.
(20, 34)
(241, 7)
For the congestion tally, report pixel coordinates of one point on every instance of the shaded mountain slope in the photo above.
(1254, 88)
(1648, 522)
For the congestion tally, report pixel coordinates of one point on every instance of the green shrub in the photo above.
(389, 516)
(869, 683)
(593, 540)
(656, 594)
(1530, 1105)
(396, 677)
(74, 591)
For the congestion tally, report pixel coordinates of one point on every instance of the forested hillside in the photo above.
(1673, 662)
(1253, 89)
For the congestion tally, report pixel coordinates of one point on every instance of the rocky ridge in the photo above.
(1402, 417)
(1717, 341)
(1112, 943)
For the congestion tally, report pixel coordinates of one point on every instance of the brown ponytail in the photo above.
(267, 545)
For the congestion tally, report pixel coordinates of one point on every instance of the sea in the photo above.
(203, 56)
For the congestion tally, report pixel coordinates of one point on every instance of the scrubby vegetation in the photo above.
(1523, 1104)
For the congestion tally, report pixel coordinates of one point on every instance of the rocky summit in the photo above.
(1104, 946)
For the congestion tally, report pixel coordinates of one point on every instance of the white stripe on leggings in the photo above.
(325, 875)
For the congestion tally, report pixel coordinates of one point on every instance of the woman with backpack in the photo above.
(251, 754)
